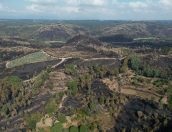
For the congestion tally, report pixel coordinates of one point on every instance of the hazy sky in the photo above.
(87, 9)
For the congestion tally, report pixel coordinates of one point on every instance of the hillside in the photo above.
(138, 30)
(58, 32)
(65, 76)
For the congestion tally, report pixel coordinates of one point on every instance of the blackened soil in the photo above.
(27, 71)
(151, 116)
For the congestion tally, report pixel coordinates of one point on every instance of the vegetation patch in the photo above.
(13, 96)
(70, 69)
(73, 129)
(140, 67)
(73, 87)
(32, 119)
(58, 127)
(31, 58)
(51, 106)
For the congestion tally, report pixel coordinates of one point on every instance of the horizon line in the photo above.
(48, 19)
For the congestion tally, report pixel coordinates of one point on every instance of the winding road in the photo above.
(62, 60)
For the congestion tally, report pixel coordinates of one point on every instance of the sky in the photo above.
(86, 9)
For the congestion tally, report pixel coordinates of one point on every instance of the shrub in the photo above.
(32, 119)
(165, 50)
(65, 130)
(169, 91)
(83, 128)
(124, 67)
(114, 71)
(92, 127)
(50, 85)
(135, 63)
(59, 96)
(41, 130)
(85, 80)
(170, 102)
(4, 110)
(70, 69)
(101, 100)
(159, 83)
(40, 79)
(73, 129)
(58, 127)
(51, 106)
(73, 87)
(92, 106)
(61, 117)
(151, 72)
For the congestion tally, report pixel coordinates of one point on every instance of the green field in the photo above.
(148, 38)
(30, 58)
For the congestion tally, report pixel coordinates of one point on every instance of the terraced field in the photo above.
(30, 58)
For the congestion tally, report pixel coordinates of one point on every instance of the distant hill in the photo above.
(58, 32)
(84, 40)
(138, 29)
(105, 30)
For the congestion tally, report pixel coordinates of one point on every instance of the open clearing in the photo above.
(30, 58)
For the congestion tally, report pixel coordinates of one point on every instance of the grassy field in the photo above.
(30, 58)
(148, 38)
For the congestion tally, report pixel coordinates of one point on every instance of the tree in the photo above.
(73, 86)
(101, 100)
(61, 117)
(148, 72)
(5, 110)
(51, 106)
(32, 119)
(124, 67)
(170, 102)
(58, 127)
(92, 106)
(85, 81)
(73, 129)
(70, 69)
(135, 63)
(13, 95)
(83, 128)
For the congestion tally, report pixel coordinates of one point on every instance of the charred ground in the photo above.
(99, 76)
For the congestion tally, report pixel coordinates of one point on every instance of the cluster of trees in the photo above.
(70, 69)
(16, 95)
(13, 96)
(57, 126)
(170, 101)
(85, 80)
(136, 64)
(32, 119)
(52, 104)
(73, 87)
(40, 80)
(98, 71)
(124, 66)
(166, 50)
(169, 92)
(81, 128)
(50, 108)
